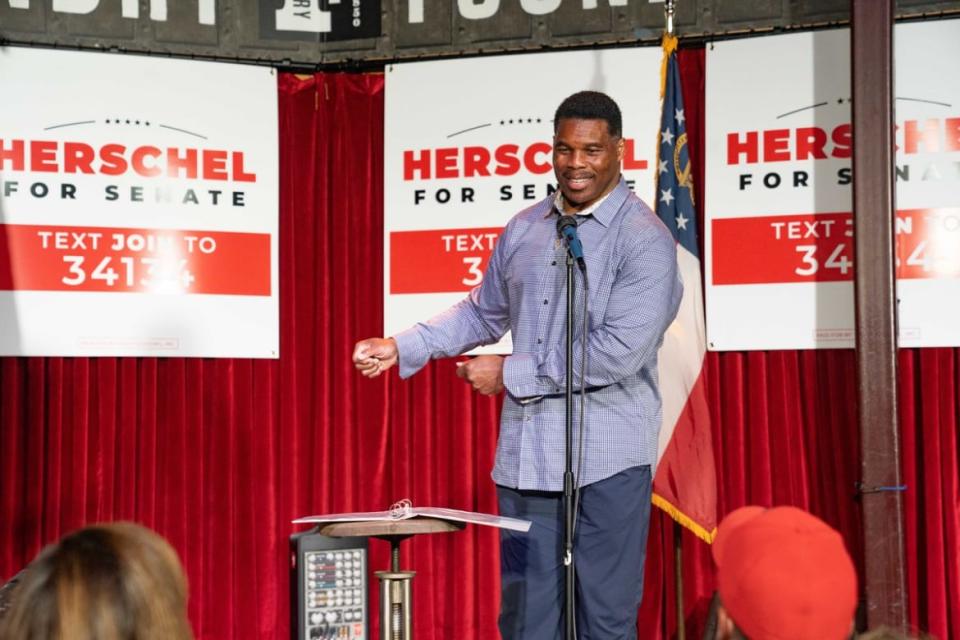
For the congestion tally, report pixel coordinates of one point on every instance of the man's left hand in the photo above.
(484, 373)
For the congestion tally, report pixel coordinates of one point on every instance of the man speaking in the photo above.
(634, 293)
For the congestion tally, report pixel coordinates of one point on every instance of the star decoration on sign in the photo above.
(682, 221)
(678, 115)
(667, 136)
(663, 166)
(666, 196)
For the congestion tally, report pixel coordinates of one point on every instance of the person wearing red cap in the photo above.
(782, 574)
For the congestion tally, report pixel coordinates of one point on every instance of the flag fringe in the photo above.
(669, 44)
(684, 519)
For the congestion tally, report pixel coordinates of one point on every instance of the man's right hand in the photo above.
(373, 356)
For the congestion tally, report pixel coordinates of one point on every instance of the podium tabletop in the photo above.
(385, 528)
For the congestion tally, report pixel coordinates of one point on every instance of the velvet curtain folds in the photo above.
(220, 455)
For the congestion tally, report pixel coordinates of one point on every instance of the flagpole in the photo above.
(678, 577)
(668, 11)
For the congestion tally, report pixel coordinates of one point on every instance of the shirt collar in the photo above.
(602, 210)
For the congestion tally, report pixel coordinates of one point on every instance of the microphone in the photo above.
(567, 228)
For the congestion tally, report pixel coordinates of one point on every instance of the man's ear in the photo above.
(620, 148)
(726, 629)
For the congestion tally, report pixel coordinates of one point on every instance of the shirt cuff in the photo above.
(520, 376)
(412, 352)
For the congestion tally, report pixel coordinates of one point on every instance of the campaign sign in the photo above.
(469, 144)
(780, 235)
(138, 207)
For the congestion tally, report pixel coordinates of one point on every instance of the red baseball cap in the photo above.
(784, 574)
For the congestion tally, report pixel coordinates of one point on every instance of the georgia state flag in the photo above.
(685, 485)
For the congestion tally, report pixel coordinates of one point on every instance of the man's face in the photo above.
(586, 160)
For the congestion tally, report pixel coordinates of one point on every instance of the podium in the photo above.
(396, 525)
(396, 603)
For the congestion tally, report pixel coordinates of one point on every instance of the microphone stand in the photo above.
(568, 514)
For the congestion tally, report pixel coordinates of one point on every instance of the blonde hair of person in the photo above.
(117, 581)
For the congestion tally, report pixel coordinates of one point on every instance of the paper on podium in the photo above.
(404, 510)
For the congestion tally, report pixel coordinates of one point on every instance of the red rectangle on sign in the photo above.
(795, 248)
(57, 258)
(440, 260)
(819, 247)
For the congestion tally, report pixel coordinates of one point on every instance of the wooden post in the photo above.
(876, 309)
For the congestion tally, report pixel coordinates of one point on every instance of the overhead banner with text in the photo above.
(462, 157)
(138, 207)
(779, 243)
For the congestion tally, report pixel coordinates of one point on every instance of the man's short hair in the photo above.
(591, 105)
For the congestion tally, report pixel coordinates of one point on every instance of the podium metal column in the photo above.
(396, 603)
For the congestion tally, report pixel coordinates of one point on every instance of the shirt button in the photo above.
(553, 264)
(539, 340)
(545, 301)
(528, 418)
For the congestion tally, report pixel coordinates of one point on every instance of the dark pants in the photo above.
(609, 549)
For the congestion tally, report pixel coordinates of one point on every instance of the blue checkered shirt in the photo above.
(635, 290)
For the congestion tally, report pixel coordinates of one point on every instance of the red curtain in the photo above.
(220, 455)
